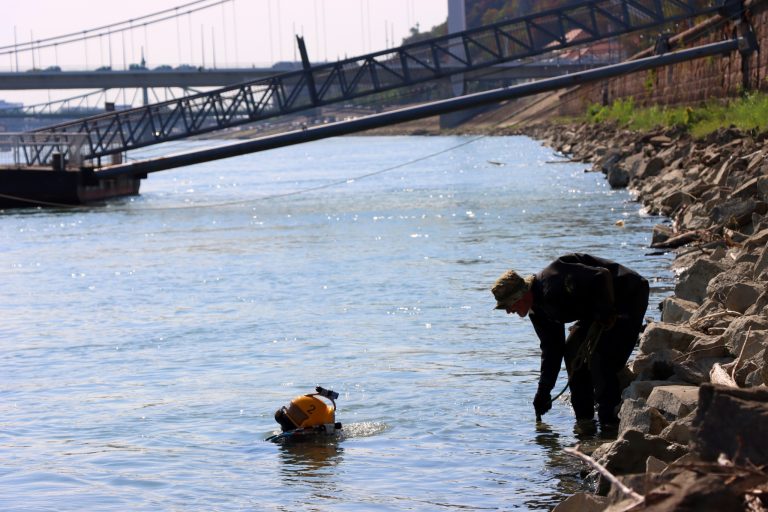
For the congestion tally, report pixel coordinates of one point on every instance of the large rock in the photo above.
(674, 200)
(744, 330)
(618, 177)
(737, 212)
(761, 265)
(746, 190)
(693, 281)
(675, 310)
(749, 372)
(629, 453)
(661, 233)
(719, 286)
(762, 187)
(633, 163)
(759, 239)
(692, 491)
(641, 389)
(610, 160)
(582, 502)
(661, 335)
(760, 307)
(651, 168)
(697, 371)
(679, 431)
(733, 422)
(707, 346)
(742, 295)
(636, 415)
(674, 401)
(658, 365)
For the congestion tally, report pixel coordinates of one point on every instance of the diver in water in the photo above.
(308, 416)
(607, 302)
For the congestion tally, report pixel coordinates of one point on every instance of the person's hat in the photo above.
(510, 288)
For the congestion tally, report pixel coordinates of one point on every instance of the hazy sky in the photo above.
(242, 32)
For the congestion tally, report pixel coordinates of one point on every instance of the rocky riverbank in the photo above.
(694, 419)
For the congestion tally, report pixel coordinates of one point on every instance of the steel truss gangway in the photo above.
(373, 73)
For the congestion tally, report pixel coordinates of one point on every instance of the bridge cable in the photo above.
(80, 36)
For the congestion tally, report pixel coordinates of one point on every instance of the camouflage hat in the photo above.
(510, 288)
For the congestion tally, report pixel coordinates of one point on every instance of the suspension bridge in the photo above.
(90, 153)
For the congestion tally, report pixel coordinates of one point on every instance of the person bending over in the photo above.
(607, 302)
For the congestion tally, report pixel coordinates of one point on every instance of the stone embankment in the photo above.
(694, 422)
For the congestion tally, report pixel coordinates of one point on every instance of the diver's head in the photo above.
(306, 411)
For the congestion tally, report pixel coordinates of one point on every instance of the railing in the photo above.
(61, 150)
(378, 72)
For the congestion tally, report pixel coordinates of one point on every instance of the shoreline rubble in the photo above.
(694, 419)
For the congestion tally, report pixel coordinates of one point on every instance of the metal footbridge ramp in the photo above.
(356, 77)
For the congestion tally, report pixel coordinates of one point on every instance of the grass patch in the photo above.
(749, 112)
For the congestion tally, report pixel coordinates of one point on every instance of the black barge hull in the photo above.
(31, 187)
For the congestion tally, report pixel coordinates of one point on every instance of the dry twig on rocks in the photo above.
(607, 474)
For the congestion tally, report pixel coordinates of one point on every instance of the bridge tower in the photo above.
(457, 22)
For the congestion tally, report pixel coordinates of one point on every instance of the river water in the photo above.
(145, 344)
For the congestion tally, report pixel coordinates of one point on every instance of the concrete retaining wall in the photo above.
(688, 83)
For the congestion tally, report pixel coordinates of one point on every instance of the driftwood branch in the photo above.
(741, 354)
(678, 240)
(607, 474)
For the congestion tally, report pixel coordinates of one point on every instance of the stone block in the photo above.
(674, 401)
(708, 314)
(761, 265)
(742, 295)
(658, 365)
(633, 162)
(675, 310)
(661, 233)
(582, 502)
(629, 453)
(674, 200)
(636, 415)
(745, 329)
(760, 307)
(679, 431)
(731, 421)
(651, 168)
(661, 335)
(608, 161)
(746, 190)
(762, 187)
(692, 284)
(618, 177)
(719, 286)
(705, 347)
(757, 240)
(718, 254)
(641, 389)
(737, 212)
(654, 465)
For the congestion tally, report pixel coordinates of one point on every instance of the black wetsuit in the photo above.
(585, 289)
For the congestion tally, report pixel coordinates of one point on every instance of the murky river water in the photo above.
(145, 344)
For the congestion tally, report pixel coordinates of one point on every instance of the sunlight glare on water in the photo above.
(146, 343)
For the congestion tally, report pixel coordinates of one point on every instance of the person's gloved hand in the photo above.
(542, 403)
